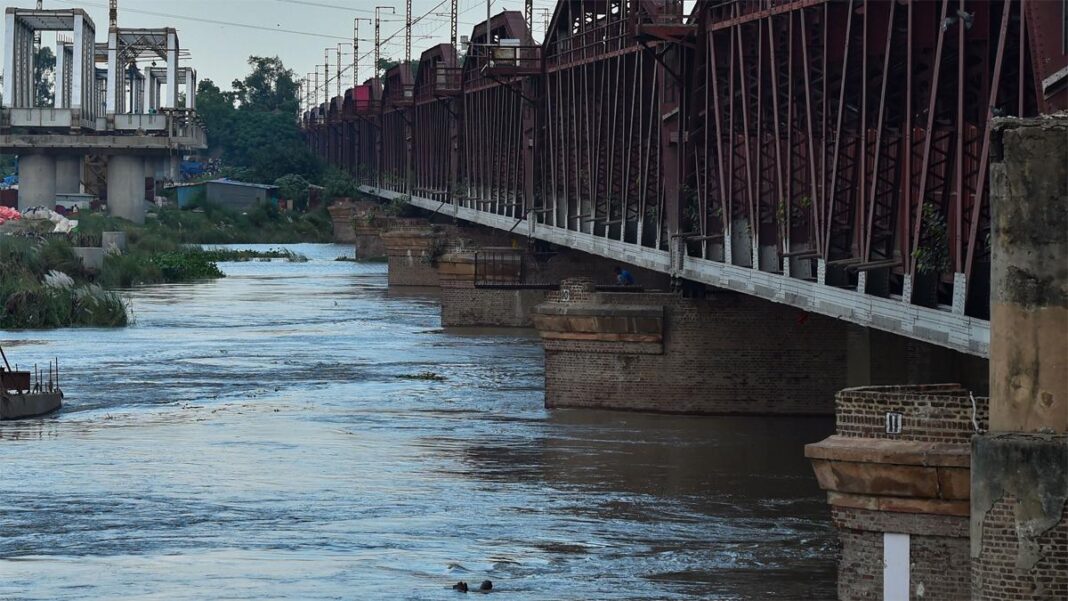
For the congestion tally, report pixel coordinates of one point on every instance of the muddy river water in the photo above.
(255, 437)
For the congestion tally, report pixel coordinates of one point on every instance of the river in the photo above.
(260, 437)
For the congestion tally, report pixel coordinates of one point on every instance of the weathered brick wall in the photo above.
(940, 562)
(462, 304)
(730, 354)
(341, 215)
(412, 249)
(930, 413)
(995, 573)
(466, 306)
(567, 263)
(938, 548)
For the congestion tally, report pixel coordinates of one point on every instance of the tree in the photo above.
(270, 87)
(385, 64)
(44, 68)
(249, 129)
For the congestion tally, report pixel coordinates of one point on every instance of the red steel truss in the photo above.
(844, 142)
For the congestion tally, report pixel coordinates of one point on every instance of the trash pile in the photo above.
(63, 225)
(9, 214)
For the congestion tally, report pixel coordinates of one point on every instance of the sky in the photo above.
(297, 31)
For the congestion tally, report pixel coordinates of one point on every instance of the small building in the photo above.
(234, 195)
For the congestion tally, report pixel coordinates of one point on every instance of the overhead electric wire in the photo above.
(211, 21)
(325, 86)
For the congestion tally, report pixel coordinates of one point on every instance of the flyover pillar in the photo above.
(37, 181)
(68, 174)
(126, 187)
(1019, 487)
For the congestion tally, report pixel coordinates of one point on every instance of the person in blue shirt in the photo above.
(623, 277)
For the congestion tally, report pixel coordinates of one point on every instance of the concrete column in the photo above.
(126, 187)
(10, 48)
(68, 174)
(114, 93)
(191, 89)
(146, 94)
(61, 82)
(1019, 517)
(174, 168)
(37, 181)
(172, 71)
(82, 73)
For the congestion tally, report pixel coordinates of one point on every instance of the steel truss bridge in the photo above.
(828, 155)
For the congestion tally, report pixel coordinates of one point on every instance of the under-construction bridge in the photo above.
(829, 155)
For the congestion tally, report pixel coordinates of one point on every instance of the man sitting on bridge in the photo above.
(623, 277)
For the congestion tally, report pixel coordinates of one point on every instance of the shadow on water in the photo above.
(263, 436)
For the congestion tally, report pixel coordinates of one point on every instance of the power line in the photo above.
(323, 5)
(210, 21)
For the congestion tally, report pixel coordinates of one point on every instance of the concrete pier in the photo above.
(126, 187)
(68, 174)
(1019, 488)
(37, 181)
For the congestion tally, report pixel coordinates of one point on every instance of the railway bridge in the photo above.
(821, 180)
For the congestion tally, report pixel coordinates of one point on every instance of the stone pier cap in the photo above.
(575, 312)
(902, 449)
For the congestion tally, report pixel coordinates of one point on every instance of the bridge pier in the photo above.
(500, 286)
(68, 174)
(649, 351)
(896, 474)
(126, 187)
(1019, 487)
(413, 247)
(37, 181)
(465, 304)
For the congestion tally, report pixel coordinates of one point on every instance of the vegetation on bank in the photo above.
(43, 284)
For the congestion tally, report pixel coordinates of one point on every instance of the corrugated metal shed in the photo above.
(227, 193)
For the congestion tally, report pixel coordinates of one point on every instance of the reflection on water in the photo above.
(253, 438)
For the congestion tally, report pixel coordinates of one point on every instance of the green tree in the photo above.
(253, 128)
(44, 68)
(385, 64)
(270, 87)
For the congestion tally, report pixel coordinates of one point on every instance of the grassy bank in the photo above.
(43, 283)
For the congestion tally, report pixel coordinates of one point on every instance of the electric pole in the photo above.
(408, 32)
(529, 14)
(326, 75)
(356, 51)
(338, 70)
(378, 35)
(452, 23)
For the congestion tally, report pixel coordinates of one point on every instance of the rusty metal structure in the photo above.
(827, 154)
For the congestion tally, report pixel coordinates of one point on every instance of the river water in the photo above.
(255, 437)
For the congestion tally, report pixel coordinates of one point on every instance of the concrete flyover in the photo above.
(105, 106)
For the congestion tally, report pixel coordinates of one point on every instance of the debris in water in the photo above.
(426, 375)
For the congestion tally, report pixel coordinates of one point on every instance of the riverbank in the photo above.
(43, 283)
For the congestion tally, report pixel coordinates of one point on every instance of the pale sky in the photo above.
(220, 51)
